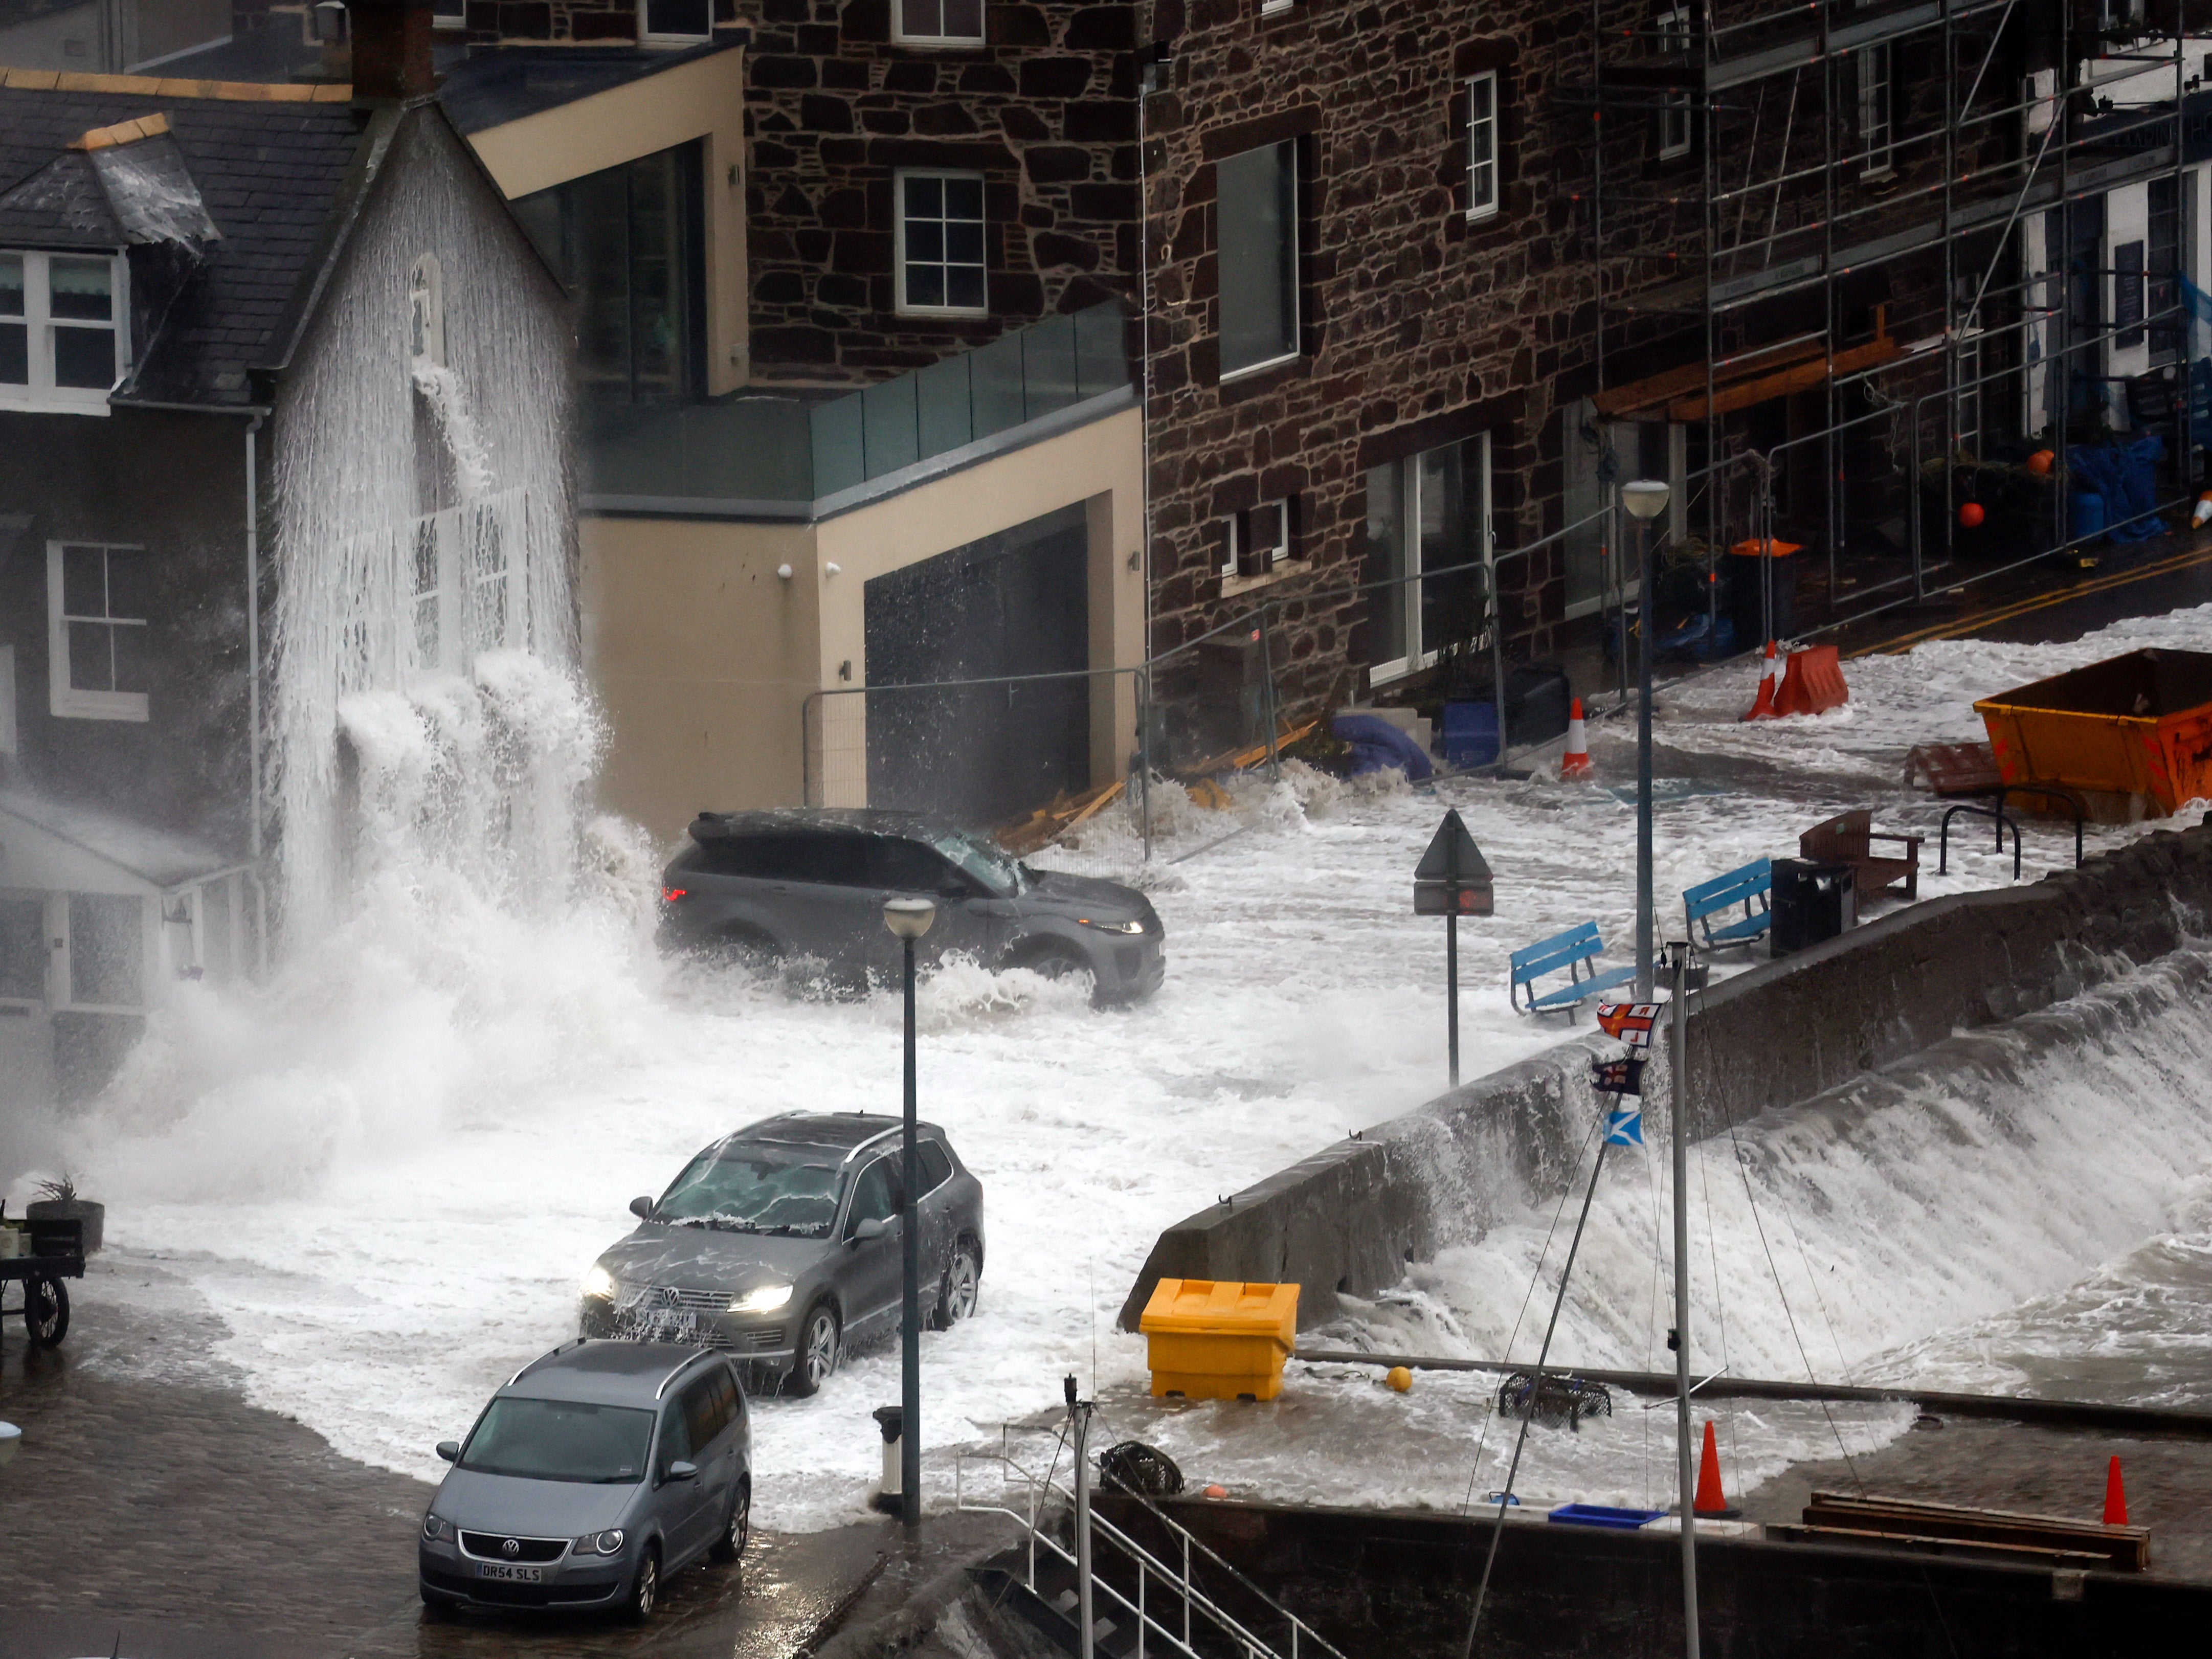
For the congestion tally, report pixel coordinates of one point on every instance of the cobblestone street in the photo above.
(167, 1520)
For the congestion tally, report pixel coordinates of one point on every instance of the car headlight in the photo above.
(600, 1283)
(601, 1543)
(436, 1530)
(1112, 927)
(765, 1298)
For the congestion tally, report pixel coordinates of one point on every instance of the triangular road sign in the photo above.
(1452, 855)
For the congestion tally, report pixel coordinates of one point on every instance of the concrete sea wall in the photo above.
(1349, 1218)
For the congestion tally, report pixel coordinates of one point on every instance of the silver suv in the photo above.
(779, 1245)
(596, 1473)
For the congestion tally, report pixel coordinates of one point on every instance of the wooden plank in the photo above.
(1969, 1549)
(1781, 384)
(2124, 1548)
(1672, 383)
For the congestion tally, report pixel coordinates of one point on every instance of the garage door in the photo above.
(1014, 604)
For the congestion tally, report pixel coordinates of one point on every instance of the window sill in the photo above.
(958, 314)
(940, 42)
(100, 706)
(1482, 215)
(34, 403)
(1231, 377)
(1231, 585)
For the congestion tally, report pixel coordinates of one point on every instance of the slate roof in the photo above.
(268, 171)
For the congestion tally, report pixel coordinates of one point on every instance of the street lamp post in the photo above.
(909, 919)
(1645, 499)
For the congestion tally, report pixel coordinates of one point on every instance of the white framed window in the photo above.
(426, 309)
(675, 22)
(937, 22)
(449, 14)
(1482, 144)
(1967, 397)
(64, 341)
(25, 955)
(1257, 213)
(1275, 8)
(1675, 114)
(1428, 512)
(96, 617)
(1874, 125)
(1254, 541)
(940, 233)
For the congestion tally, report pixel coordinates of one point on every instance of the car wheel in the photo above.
(732, 1543)
(747, 948)
(46, 1311)
(645, 1588)
(1058, 961)
(956, 1295)
(819, 1353)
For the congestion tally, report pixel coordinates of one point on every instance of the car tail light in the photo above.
(670, 895)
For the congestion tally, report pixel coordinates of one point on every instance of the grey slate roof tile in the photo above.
(269, 173)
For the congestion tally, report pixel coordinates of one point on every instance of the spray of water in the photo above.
(426, 712)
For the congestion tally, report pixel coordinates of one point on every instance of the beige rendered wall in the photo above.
(702, 657)
(705, 100)
(1101, 464)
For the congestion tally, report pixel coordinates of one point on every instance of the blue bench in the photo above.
(1570, 952)
(1751, 886)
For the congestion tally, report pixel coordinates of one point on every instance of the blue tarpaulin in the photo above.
(2125, 475)
(1377, 745)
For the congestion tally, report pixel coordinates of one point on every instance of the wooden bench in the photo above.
(1848, 838)
(1571, 952)
(1751, 885)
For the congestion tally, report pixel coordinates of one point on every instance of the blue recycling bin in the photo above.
(1470, 734)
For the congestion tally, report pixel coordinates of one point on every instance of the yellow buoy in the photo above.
(1398, 1378)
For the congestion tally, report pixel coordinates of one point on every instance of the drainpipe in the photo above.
(253, 697)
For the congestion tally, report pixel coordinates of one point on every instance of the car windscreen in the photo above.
(988, 866)
(756, 1189)
(561, 1440)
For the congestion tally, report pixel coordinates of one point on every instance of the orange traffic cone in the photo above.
(1577, 760)
(1711, 1501)
(1763, 708)
(2116, 1497)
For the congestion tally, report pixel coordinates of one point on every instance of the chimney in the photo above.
(391, 50)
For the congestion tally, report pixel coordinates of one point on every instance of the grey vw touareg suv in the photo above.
(596, 1472)
(773, 886)
(779, 1246)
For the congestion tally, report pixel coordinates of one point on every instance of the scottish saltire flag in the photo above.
(1624, 1128)
(1617, 1077)
(1628, 1022)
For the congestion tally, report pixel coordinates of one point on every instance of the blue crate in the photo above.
(1598, 1515)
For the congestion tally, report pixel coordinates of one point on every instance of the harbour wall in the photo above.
(1348, 1219)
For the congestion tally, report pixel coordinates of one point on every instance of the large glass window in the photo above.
(1874, 135)
(941, 242)
(750, 1187)
(933, 20)
(1258, 217)
(62, 339)
(1429, 512)
(22, 947)
(627, 242)
(2166, 264)
(560, 1440)
(1675, 113)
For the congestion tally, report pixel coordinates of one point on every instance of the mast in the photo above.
(1678, 955)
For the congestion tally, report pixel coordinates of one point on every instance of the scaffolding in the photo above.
(1811, 226)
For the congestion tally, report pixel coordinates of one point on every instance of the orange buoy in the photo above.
(2041, 462)
(1971, 515)
(1398, 1378)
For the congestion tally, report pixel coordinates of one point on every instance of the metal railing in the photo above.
(1190, 1616)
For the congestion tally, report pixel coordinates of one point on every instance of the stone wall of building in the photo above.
(1419, 325)
(1045, 111)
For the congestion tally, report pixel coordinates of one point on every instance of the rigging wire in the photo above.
(1842, 1365)
(1536, 1396)
(1535, 1278)
(1736, 1148)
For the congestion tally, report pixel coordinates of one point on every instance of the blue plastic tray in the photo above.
(1598, 1515)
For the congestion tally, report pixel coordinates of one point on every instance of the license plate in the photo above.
(673, 1327)
(513, 1575)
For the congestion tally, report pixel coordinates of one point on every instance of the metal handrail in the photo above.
(1304, 1639)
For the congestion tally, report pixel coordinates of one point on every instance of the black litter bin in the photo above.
(1813, 900)
(1747, 601)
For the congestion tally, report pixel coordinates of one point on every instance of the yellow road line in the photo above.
(2006, 613)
